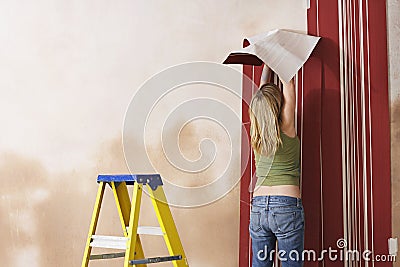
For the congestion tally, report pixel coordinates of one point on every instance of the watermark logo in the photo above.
(151, 122)
(341, 253)
(341, 243)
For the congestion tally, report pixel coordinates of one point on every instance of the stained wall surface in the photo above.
(68, 71)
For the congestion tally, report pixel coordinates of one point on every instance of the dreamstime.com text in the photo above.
(342, 253)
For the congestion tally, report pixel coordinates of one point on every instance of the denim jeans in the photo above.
(277, 218)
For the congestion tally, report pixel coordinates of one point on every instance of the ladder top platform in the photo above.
(153, 180)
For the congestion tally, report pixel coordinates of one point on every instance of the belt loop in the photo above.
(267, 202)
(298, 202)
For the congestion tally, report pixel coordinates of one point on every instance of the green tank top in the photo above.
(284, 167)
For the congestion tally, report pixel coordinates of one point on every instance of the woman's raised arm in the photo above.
(288, 108)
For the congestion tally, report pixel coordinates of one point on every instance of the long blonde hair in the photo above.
(264, 112)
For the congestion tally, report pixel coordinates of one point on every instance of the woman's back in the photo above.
(284, 167)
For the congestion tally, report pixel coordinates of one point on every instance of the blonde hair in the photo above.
(264, 112)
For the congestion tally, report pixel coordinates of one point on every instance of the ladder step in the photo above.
(119, 242)
(155, 260)
(149, 230)
(107, 256)
(102, 241)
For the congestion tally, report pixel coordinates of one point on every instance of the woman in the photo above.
(277, 212)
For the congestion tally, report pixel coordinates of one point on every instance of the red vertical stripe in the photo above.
(244, 237)
(380, 126)
(322, 122)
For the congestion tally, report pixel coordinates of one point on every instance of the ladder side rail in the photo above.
(93, 223)
(133, 226)
(167, 225)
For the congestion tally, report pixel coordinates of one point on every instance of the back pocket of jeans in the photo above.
(284, 220)
(255, 223)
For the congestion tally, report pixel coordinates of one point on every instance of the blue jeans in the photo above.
(277, 218)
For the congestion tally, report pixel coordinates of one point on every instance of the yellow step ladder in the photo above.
(129, 216)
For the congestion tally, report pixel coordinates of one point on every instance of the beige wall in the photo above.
(68, 70)
(393, 15)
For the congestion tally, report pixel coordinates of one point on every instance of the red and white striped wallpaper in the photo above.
(343, 124)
